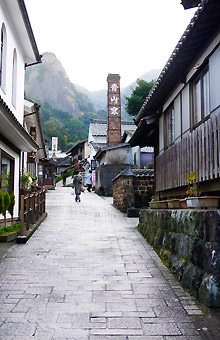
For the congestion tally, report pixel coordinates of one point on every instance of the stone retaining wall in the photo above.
(189, 242)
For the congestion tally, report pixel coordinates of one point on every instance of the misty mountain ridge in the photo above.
(99, 98)
(48, 82)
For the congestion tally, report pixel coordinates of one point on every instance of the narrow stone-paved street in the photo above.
(86, 273)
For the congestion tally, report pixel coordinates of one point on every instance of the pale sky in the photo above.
(92, 38)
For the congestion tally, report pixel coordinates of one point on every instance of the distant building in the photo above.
(97, 137)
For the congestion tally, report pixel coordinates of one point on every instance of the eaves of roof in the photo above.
(42, 148)
(100, 121)
(77, 146)
(196, 36)
(32, 118)
(27, 23)
(13, 131)
(145, 132)
(108, 148)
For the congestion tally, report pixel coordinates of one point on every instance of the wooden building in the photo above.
(181, 115)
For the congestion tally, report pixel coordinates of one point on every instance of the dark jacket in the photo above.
(77, 182)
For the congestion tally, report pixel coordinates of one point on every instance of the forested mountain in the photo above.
(63, 125)
(66, 107)
(49, 83)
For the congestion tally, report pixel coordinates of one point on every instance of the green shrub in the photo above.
(11, 205)
(71, 172)
(10, 229)
(59, 178)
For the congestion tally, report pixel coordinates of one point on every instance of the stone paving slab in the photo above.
(87, 274)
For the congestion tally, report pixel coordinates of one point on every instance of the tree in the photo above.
(135, 101)
(6, 199)
(11, 206)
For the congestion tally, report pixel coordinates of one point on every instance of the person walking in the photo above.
(89, 181)
(77, 183)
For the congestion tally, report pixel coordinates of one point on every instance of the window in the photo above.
(14, 79)
(169, 127)
(3, 58)
(7, 172)
(200, 97)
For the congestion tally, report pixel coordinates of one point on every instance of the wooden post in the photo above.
(37, 206)
(22, 215)
(41, 202)
(44, 201)
(32, 197)
(27, 213)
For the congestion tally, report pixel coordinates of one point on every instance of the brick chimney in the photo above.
(113, 110)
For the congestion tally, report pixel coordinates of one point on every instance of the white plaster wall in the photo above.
(90, 136)
(92, 151)
(86, 150)
(214, 69)
(16, 177)
(13, 43)
(136, 150)
(125, 153)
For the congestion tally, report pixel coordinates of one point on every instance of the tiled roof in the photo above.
(196, 36)
(99, 127)
(98, 145)
(136, 173)
(77, 146)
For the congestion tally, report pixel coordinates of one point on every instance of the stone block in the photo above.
(166, 240)
(189, 225)
(192, 278)
(173, 221)
(198, 253)
(209, 291)
(158, 238)
(178, 267)
(183, 250)
(211, 224)
(174, 242)
(212, 258)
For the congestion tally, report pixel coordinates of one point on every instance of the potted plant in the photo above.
(194, 199)
(26, 181)
(34, 186)
(157, 204)
(8, 234)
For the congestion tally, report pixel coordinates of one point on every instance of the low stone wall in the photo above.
(133, 188)
(104, 177)
(123, 194)
(189, 242)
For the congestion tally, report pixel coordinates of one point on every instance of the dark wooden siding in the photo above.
(198, 152)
